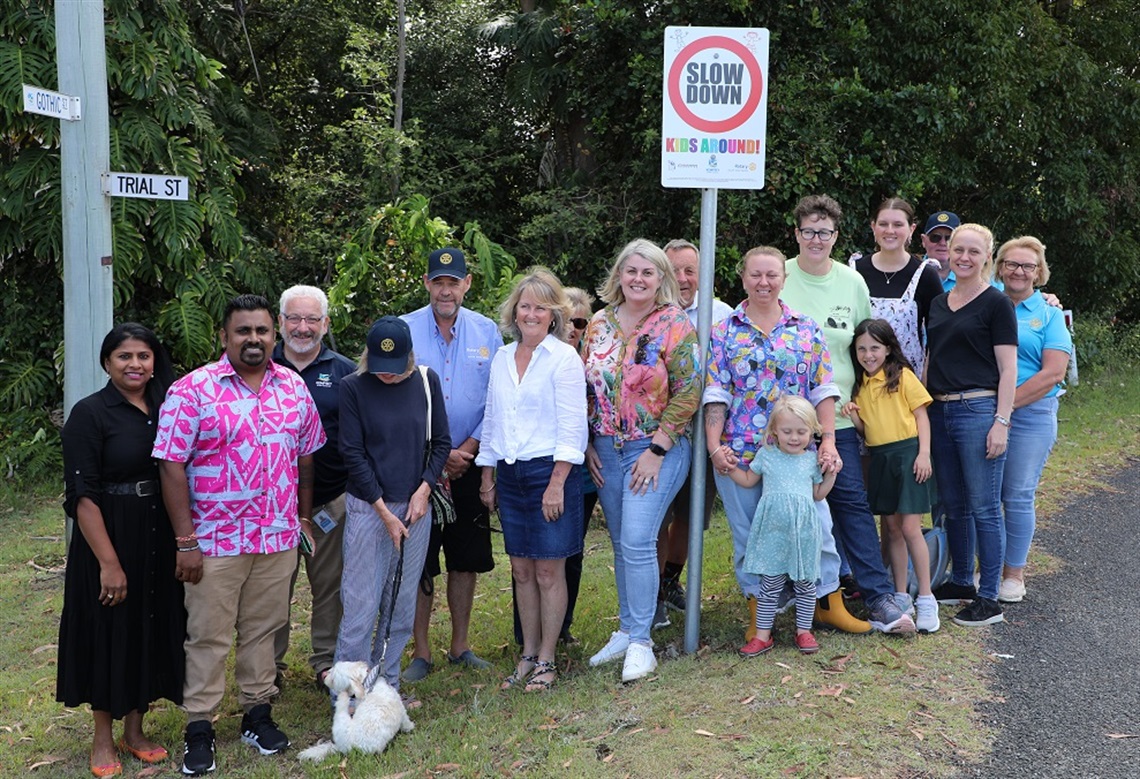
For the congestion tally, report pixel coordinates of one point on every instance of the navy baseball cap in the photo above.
(447, 262)
(942, 219)
(389, 344)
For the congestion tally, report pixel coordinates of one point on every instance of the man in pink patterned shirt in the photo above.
(235, 440)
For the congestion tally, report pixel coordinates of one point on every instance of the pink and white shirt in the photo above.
(240, 448)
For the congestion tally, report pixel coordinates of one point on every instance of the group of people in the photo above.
(222, 476)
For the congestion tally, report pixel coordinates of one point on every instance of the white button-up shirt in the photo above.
(541, 414)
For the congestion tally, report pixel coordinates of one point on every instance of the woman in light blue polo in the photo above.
(1043, 349)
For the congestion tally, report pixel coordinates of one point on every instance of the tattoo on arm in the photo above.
(714, 414)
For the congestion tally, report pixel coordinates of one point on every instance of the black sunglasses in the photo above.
(939, 237)
(579, 322)
(640, 355)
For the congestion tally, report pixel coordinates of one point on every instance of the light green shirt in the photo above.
(837, 301)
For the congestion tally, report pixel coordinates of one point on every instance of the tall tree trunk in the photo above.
(401, 55)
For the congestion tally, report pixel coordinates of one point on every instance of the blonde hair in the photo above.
(798, 407)
(667, 291)
(547, 291)
(1032, 244)
(759, 251)
(579, 298)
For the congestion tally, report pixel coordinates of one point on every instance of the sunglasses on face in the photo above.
(579, 322)
(939, 237)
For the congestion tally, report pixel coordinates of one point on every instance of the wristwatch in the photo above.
(658, 449)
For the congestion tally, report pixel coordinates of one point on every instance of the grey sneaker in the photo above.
(886, 617)
(927, 620)
(904, 602)
(469, 659)
(673, 595)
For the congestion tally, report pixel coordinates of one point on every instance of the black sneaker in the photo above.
(982, 611)
(673, 595)
(951, 594)
(198, 751)
(258, 729)
(660, 616)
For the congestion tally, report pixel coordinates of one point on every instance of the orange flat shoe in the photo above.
(110, 769)
(156, 755)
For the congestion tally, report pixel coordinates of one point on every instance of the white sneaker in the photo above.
(1011, 591)
(613, 650)
(927, 608)
(639, 662)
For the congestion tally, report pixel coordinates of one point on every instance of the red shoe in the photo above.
(156, 755)
(806, 643)
(757, 647)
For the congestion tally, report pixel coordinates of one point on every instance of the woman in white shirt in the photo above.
(534, 439)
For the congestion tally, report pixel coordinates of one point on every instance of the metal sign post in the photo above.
(713, 125)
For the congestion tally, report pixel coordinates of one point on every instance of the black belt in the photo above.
(140, 489)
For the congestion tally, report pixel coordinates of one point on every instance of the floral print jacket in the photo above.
(646, 381)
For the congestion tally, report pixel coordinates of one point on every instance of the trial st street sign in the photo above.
(147, 186)
(714, 107)
(48, 103)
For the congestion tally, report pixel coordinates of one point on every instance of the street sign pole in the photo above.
(699, 482)
(84, 154)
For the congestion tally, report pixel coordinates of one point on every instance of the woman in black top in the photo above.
(972, 374)
(383, 431)
(123, 622)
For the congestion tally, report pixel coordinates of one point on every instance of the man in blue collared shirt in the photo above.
(303, 322)
(936, 243)
(458, 344)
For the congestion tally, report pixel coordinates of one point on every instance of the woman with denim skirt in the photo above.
(533, 444)
(1043, 349)
(972, 374)
(643, 388)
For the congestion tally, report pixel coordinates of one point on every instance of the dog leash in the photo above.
(375, 671)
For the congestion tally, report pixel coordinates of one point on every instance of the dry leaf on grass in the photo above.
(154, 770)
(46, 760)
(917, 734)
(749, 699)
(1122, 735)
(829, 691)
(447, 767)
(608, 757)
(701, 732)
(43, 648)
(785, 679)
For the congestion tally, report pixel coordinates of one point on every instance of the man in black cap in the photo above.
(936, 243)
(458, 344)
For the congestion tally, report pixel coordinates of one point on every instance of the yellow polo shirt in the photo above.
(889, 416)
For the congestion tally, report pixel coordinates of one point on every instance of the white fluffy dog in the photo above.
(379, 713)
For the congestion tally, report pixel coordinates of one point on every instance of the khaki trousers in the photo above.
(323, 571)
(249, 593)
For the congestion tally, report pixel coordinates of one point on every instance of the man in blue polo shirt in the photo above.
(936, 243)
(458, 344)
(303, 322)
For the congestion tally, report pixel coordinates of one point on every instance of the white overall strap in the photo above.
(427, 391)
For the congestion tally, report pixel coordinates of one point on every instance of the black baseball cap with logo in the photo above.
(447, 262)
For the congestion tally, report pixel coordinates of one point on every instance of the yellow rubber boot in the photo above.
(750, 632)
(832, 612)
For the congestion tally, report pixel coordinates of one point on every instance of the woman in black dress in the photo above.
(123, 621)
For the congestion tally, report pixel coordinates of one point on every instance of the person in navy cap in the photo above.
(936, 243)
(384, 411)
(458, 344)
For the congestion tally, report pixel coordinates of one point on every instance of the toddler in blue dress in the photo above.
(784, 542)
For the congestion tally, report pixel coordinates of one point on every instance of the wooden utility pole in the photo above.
(85, 156)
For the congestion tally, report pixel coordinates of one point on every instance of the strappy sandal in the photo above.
(515, 677)
(541, 668)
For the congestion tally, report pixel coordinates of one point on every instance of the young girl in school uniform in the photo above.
(888, 408)
(783, 544)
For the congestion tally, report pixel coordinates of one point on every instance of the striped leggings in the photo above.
(770, 589)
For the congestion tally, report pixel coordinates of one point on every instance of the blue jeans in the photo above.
(633, 521)
(854, 524)
(970, 485)
(740, 508)
(1031, 439)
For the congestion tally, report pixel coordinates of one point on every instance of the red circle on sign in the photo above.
(749, 107)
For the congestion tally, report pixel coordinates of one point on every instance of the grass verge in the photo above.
(865, 706)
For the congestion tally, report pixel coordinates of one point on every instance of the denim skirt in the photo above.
(526, 533)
